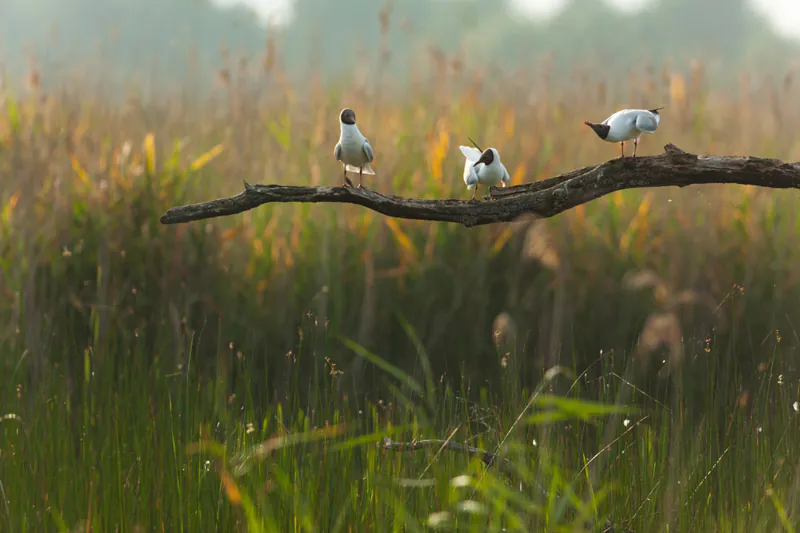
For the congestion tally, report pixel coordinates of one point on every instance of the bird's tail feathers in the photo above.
(367, 169)
(472, 154)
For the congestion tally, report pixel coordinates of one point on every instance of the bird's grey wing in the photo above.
(647, 122)
(612, 117)
(617, 116)
(368, 151)
(506, 177)
(337, 152)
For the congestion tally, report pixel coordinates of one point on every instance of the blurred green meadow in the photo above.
(634, 360)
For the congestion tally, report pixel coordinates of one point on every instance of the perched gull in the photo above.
(353, 149)
(483, 168)
(626, 125)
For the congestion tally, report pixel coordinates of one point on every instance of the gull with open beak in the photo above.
(483, 168)
(353, 149)
(626, 125)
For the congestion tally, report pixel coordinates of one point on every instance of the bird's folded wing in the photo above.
(472, 154)
(617, 115)
(470, 175)
(368, 151)
(647, 122)
(337, 152)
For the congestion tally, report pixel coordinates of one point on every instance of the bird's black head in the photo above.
(600, 129)
(486, 158)
(347, 116)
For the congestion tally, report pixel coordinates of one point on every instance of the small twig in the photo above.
(8, 511)
(644, 501)
(488, 458)
(441, 449)
(475, 144)
(610, 444)
(706, 476)
(640, 391)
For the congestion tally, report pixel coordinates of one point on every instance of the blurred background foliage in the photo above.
(129, 339)
(86, 259)
(164, 45)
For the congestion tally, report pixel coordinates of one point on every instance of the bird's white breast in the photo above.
(352, 142)
(490, 175)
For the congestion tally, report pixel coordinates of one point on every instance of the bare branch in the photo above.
(488, 458)
(546, 198)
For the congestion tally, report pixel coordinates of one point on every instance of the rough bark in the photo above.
(544, 198)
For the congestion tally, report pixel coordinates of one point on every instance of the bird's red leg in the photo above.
(360, 177)
(635, 145)
(622, 148)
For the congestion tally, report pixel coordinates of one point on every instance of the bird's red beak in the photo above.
(587, 123)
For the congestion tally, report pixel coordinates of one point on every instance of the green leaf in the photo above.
(423, 358)
(366, 439)
(383, 365)
(566, 408)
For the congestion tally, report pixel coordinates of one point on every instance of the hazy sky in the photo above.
(783, 14)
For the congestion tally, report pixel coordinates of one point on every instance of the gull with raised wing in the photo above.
(353, 149)
(483, 168)
(627, 124)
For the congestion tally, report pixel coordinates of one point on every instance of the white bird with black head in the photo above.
(353, 149)
(483, 168)
(626, 125)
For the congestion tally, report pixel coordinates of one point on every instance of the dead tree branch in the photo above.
(545, 198)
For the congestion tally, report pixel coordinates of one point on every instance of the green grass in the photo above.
(148, 448)
(240, 374)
